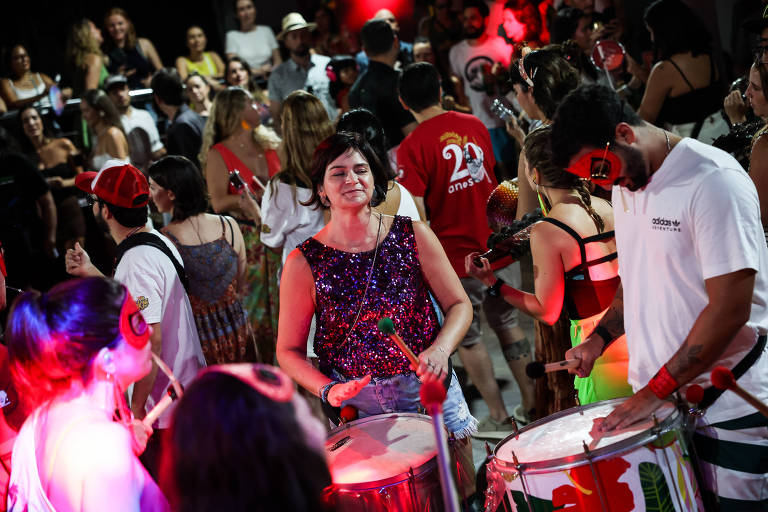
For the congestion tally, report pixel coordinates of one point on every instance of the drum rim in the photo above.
(671, 422)
(427, 466)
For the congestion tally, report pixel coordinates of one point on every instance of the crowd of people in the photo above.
(268, 206)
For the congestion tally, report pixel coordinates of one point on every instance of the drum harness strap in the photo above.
(712, 393)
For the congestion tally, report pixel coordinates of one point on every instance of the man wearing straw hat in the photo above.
(302, 70)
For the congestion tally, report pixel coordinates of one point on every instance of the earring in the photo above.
(247, 127)
(542, 203)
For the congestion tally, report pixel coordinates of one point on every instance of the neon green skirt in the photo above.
(609, 375)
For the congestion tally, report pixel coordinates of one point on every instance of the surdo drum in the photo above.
(550, 464)
(383, 463)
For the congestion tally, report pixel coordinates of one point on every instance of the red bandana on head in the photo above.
(601, 166)
(133, 327)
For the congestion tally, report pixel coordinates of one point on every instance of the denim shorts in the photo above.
(400, 393)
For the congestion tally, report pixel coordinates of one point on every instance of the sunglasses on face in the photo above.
(601, 166)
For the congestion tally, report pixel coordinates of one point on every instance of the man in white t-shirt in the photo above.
(475, 62)
(152, 272)
(694, 269)
(140, 128)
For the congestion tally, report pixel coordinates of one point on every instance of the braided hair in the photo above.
(539, 155)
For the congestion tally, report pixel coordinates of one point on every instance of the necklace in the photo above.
(666, 136)
(367, 283)
(133, 231)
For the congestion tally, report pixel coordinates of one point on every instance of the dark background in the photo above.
(42, 26)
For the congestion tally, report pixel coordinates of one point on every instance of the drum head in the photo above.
(560, 438)
(607, 54)
(380, 448)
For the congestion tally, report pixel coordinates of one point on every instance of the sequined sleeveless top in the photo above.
(397, 289)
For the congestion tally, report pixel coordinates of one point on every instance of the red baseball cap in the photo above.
(118, 183)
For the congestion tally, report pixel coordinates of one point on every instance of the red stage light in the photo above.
(355, 14)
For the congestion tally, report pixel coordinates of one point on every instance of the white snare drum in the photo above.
(549, 464)
(383, 463)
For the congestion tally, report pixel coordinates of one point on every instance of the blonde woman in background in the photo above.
(84, 55)
(235, 140)
(286, 222)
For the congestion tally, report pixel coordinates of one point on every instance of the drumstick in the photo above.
(432, 394)
(160, 407)
(536, 369)
(388, 327)
(174, 392)
(722, 378)
(694, 394)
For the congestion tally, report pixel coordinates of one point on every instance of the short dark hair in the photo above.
(166, 85)
(552, 75)
(377, 37)
(179, 175)
(419, 86)
(421, 40)
(565, 23)
(480, 5)
(587, 117)
(127, 217)
(250, 451)
(676, 29)
(335, 146)
(362, 121)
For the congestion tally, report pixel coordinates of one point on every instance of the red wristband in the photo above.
(663, 383)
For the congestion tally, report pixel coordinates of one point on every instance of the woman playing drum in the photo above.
(574, 265)
(361, 267)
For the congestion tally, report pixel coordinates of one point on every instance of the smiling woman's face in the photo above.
(348, 181)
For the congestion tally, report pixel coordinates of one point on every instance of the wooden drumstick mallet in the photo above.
(536, 370)
(175, 390)
(722, 378)
(388, 327)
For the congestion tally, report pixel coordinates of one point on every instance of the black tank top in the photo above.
(695, 104)
(585, 297)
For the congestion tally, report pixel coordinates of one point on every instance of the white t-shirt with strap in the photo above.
(698, 218)
(155, 286)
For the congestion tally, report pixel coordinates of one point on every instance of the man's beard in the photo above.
(301, 51)
(474, 33)
(636, 171)
(101, 222)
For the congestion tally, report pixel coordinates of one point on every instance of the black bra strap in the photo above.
(568, 229)
(681, 73)
(603, 259)
(605, 235)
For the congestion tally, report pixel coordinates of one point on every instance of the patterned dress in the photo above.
(262, 291)
(220, 318)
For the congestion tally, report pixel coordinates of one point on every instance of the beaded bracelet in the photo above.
(663, 383)
(327, 389)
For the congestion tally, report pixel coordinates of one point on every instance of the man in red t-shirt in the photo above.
(447, 164)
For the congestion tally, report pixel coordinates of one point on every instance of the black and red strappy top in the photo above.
(585, 297)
